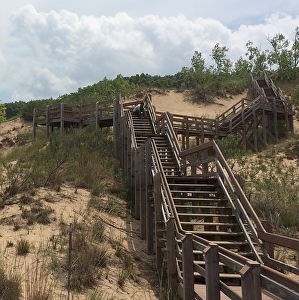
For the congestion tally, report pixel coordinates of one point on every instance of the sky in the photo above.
(49, 48)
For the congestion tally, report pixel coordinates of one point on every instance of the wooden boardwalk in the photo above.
(193, 213)
(64, 116)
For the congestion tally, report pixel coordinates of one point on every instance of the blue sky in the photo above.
(52, 47)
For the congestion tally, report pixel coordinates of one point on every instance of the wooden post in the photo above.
(142, 193)
(148, 196)
(251, 281)
(187, 132)
(80, 115)
(275, 119)
(158, 219)
(61, 118)
(70, 263)
(216, 129)
(269, 246)
(97, 114)
(171, 258)
(34, 124)
(47, 121)
(188, 270)
(264, 124)
(137, 184)
(255, 130)
(243, 130)
(212, 272)
(116, 126)
(202, 130)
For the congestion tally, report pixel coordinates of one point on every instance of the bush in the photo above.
(295, 97)
(10, 285)
(87, 259)
(22, 247)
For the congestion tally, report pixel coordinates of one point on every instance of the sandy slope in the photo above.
(175, 103)
(67, 204)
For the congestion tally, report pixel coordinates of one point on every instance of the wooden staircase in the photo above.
(143, 129)
(193, 213)
(204, 211)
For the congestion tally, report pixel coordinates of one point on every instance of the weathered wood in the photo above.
(97, 114)
(171, 258)
(47, 121)
(61, 118)
(158, 219)
(149, 199)
(269, 246)
(34, 123)
(137, 184)
(212, 272)
(142, 193)
(251, 281)
(188, 270)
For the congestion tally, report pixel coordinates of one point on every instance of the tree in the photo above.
(282, 57)
(257, 59)
(223, 64)
(2, 112)
(295, 49)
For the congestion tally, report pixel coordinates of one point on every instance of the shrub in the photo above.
(87, 260)
(295, 97)
(38, 283)
(98, 230)
(10, 285)
(22, 247)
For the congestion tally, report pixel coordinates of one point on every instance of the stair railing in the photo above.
(260, 232)
(176, 251)
(180, 250)
(164, 126)
(150, 110)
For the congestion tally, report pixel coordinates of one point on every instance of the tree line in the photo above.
(201, 80)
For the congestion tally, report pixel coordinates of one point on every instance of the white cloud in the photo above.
(53, 53)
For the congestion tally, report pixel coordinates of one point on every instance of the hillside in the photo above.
(70, 205)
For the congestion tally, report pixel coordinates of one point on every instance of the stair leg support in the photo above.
(251, 281)
(171, 259)
(188, 270)
(212, 272)
(149, 200)
(158, 218)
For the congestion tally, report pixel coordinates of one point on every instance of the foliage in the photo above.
(295, 97)
(231, 148)
(14, 109)
(38, 284)
(83, 156)
(10, 285)
(87, 260)
(22, 247)
(2, 112)
(272, 189)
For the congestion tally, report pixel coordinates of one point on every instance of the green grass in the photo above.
(10, 284)
(22, 247)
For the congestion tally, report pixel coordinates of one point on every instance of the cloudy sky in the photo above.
(52, 47)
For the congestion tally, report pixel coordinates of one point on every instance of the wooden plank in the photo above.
(187, 260)
(212, 272)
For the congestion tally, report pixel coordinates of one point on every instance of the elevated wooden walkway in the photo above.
(64, 116)
(193, 213)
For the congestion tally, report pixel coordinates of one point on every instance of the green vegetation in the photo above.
(83, 158)
(10, 284)
(271, 181)
(203, 82)
(22, 247)
(2, 112)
